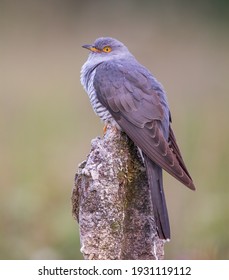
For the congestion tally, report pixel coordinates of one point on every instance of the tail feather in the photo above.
(154, 174)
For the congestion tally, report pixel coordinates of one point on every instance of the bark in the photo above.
(111, 202)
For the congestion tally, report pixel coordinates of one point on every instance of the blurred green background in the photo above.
(46, 121)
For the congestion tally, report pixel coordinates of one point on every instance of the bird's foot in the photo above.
(105, 129)
(112, 127)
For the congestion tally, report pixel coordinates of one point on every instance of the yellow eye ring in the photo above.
(107, 49)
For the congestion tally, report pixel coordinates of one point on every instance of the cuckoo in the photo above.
(125, 94)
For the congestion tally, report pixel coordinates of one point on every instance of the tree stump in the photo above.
(112, 202)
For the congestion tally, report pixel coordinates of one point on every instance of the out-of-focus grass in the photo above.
(203, 214)
(46, 122)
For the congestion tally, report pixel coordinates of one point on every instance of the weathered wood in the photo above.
(111, 202)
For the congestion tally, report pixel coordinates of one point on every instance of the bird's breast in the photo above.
(87, 80)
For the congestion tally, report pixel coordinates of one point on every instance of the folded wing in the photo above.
(136, 103)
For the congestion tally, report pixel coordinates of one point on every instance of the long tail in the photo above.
(154, 174)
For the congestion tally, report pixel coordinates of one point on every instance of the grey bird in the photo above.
(124, 93)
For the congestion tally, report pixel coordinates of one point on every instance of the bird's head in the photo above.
(106, 48)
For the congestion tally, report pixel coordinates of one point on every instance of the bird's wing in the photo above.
(135, 101)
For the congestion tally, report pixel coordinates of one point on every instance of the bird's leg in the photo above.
(113, 129)
(113, 126)
(105, 129)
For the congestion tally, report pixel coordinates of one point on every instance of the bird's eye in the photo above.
(107, 49)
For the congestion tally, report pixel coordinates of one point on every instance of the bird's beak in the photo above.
(91, 48)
